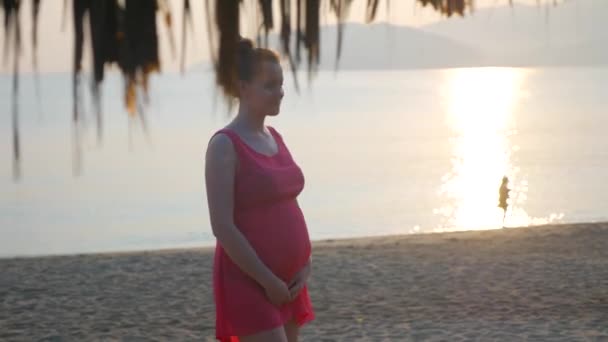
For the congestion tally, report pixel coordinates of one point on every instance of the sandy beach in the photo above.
(545, 283)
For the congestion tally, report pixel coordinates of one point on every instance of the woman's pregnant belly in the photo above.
(279, 235)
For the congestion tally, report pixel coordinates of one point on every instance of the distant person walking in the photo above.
(503, 197)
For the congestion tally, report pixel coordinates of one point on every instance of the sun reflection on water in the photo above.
(479, 112)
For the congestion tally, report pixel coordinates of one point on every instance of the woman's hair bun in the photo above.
(248, 57)
(245, 47)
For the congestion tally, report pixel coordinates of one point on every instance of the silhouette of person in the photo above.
(503, 196)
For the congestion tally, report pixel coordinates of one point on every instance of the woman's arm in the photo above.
(220, 168)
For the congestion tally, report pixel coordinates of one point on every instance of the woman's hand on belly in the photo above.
(277, 292)
(299, 280)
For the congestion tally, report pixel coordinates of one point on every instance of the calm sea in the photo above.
(391, 152)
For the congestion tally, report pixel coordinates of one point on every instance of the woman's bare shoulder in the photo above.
(220, 147)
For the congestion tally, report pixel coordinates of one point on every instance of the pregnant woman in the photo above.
(262, 255)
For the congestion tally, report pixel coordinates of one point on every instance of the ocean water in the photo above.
(391, 152)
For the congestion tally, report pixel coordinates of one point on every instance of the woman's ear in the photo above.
(241, 87)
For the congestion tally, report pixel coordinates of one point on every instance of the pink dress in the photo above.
(266, 212)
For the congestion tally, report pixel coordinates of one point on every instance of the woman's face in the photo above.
(263, 94)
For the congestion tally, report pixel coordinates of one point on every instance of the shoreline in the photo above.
(321, 243)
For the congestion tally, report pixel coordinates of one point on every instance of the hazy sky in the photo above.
(55, 45)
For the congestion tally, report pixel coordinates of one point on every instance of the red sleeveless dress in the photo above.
(266, 212)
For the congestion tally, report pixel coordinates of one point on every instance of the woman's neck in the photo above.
(246, 120)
